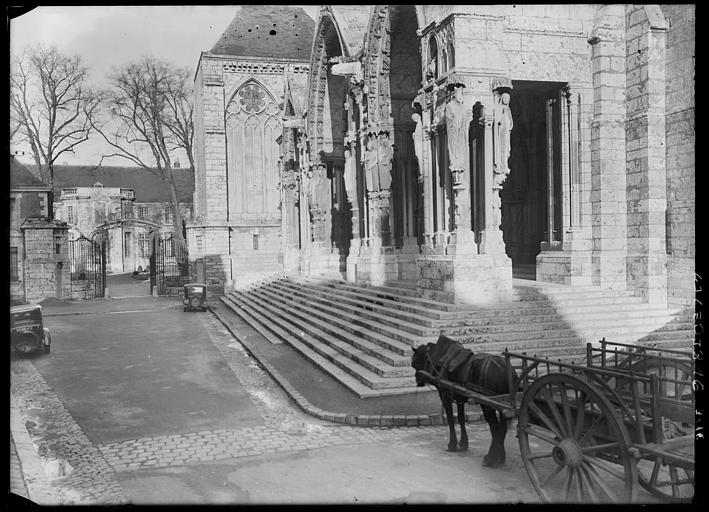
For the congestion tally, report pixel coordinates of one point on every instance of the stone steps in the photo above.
(362, 335)
(357, 324)
(347, 364)
(355, 385)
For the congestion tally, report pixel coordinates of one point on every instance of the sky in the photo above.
(109, 36)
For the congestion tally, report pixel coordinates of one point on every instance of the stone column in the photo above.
(608, 180)
(491, 241)
(646, 146)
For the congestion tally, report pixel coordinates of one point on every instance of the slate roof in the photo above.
(276, 31)
(147, 183)
(22, 177)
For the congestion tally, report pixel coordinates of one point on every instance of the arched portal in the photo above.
(405, 76)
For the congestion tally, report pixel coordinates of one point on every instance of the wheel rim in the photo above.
(573, 446)
(668, 482)
(195, 303)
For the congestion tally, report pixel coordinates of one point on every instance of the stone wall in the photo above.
(46, 262)
(680, 157)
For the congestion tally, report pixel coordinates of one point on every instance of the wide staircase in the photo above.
(363, 336)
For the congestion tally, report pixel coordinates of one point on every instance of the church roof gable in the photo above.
(271, 31)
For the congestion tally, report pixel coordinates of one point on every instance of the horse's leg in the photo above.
(501, 434)
(447, 401)
(493, 455)
(463, 443)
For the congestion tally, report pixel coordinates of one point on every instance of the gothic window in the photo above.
(432, 64)
(252, 151)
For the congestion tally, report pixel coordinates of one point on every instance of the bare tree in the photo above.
(150, 115)
(51, 106)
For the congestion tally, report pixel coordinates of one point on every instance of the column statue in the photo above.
(350, 175)
(457, 121)
(385, 156)
(370, 164)
(417, 137)
(503, 127)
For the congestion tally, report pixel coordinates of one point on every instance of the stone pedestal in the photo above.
(463, 276)
(567, 263)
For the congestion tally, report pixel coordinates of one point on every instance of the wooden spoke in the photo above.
(601, 464)
(565, 407)
(531, 429)
(587, 435)
(580, 414)
(598, 447)
(549, 478)
(599, 481)
(555, 411)
(545, 419)
(589, 483)
(567, 487)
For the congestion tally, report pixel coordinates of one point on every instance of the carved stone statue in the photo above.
(457, 121)
(350, 175)
(386, 153)
(503, 127)
(417, 137)
(370, 165)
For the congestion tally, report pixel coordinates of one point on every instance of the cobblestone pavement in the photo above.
(75, 465)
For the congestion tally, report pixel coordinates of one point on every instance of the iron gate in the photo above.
(87, 258)
(169, 265)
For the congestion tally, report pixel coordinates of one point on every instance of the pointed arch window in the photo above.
(432, 65)
(253, 126)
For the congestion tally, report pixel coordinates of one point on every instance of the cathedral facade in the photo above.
(451, 148)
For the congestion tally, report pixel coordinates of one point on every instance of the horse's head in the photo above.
(419, 361)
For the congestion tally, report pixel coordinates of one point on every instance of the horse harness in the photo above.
(457, 356)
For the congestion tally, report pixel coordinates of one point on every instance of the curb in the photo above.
(363, 420)
(39, 488)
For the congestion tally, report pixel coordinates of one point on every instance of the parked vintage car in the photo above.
(195, 297)
(27, 332)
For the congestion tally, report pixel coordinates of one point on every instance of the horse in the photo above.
(448, 359)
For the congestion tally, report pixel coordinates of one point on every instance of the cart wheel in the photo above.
(573, 444)
(678, 378)
(670, 483)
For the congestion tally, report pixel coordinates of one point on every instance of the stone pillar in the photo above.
(568, 261)
(46, 265)
(608, 198)
(491, 241)
(645, 139)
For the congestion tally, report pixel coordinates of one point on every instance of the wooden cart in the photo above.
(596, 432)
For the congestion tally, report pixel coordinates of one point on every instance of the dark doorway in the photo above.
(532, 190)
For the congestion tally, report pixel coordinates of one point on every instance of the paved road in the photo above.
(139, 402)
